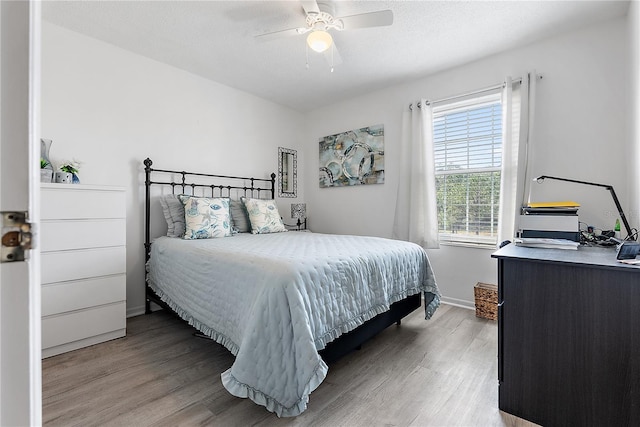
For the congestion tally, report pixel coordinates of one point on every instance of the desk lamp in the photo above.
(630, 234)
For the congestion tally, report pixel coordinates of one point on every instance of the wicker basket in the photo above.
(486, 296)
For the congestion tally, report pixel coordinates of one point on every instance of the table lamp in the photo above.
(299, 212)
(630, 234)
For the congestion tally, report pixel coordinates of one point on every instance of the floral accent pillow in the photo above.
(264, 216)
(206, 217)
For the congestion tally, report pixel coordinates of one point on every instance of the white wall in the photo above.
(581, 132)
(634, 111)
(111, 109)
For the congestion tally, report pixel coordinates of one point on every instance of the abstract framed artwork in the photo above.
(355, 157)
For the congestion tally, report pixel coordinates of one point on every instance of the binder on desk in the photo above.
(544, 234)
(547, 243)
(551, 208)
(550, 211)
(549, 222)
(563, 204)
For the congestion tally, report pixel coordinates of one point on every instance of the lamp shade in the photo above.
(298, 210)
(319, 40)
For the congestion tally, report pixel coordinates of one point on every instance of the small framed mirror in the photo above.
(287, 172)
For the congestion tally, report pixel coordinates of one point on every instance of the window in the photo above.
(467, 140)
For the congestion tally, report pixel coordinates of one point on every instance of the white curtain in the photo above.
(416, 217)
(516, 132)
(526, 132)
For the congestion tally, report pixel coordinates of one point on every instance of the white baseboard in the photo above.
(135, 311)
(471, 305)
(140, 310)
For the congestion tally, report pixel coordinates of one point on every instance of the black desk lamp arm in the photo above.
(622, 216)
(608, 187)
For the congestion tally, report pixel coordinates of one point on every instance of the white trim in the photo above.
(76, 187)
(473, 101)
(35, 333)
(469, 239)
(467, 244)
(469, 305)
(135, 311)
(442, 150)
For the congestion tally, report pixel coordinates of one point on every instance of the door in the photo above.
(20, 359)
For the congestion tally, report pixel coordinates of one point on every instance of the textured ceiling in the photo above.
(216, 39)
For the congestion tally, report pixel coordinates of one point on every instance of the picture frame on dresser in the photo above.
(83, 265)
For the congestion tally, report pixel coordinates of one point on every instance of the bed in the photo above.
(287, 303)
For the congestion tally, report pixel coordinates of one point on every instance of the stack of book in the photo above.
(550, 220)
(547, 243)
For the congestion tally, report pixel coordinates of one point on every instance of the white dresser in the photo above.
(83, 246)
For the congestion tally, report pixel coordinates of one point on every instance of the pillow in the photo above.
(173, 210)
(239, 217)
(264, 216)
(206, 217)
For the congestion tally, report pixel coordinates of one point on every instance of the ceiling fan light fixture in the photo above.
(319, 40)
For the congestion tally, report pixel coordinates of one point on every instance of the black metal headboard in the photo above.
(209, 184)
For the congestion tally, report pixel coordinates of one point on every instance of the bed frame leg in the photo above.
(399, 322)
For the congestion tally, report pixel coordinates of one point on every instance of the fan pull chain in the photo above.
(307, 55)
(333, 49)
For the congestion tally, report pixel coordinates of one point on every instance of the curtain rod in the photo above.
(475, 92)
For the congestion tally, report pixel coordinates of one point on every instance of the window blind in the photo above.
(468, 155)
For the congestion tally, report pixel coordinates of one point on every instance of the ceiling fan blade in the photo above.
(282, 33)
(332, 56)
(310, 6)
(364, 20)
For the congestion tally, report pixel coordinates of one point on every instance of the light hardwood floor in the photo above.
(438, 372)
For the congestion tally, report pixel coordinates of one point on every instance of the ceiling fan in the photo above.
(320, 19)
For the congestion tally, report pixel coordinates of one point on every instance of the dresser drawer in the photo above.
(77, 325)
(60, 201)
(85, 293)
(60, 235)
(82, 264)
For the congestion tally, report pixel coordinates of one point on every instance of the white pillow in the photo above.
(173, 211)
(264, 216)
(206, 217)
(239, 218)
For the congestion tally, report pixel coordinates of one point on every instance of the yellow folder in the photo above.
(562, 204)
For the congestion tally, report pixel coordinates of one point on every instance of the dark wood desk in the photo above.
(568, 336)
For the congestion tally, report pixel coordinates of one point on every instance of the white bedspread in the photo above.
(274, 300)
